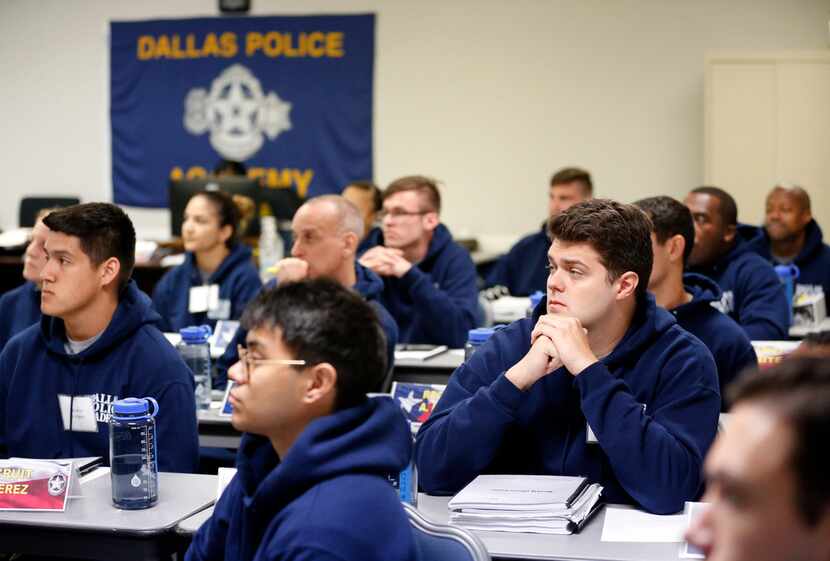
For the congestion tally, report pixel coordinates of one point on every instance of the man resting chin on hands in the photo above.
(597, 353)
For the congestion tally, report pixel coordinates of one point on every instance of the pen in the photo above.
(577, 492)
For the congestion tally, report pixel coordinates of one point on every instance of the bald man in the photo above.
(790, 235)
(327, 231)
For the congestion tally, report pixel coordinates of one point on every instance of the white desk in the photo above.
(803, 331)
(216, 431)
(435, 370)
(91, 528)
(188, 526)
(583, 546)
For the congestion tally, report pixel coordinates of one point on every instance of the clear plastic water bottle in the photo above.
(195, 350)
(476, 338)
(133, 455)
(270, 246)
(788, 275)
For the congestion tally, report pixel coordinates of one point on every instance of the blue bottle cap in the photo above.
(195, 334)
(479, 335)
(535, 298)
(787, 271)
(134, 406)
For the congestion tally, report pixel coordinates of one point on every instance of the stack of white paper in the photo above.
(544, 504)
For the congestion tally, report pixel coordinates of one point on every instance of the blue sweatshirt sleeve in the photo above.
(5, 372)
(246, 286)
(463, 434)
(390, 330)
(178, 435)
(448, 312)
(5, 321)
(761, 306)
(209, 541)
(656, 452)
(162, 302)
(306, 553)
(499, 274)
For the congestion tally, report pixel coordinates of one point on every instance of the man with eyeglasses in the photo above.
(429, 280)
(313, 460)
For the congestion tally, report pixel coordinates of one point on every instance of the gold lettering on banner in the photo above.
(176, 47)
(271, 178)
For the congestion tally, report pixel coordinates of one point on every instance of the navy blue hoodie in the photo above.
(653, 404)
(236, 276)
(436, 301)
(19, 308)
(524, 269)
(328, 499)
(813, 261)
(368, 285)
(130, 359)
(726, 340)
(752, 294)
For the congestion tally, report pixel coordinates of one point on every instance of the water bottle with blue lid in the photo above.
(476, 338)
(788, 275)
(133, 453)
(195, 350)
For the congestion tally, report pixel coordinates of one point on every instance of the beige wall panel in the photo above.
(804, 131)
(741, 131)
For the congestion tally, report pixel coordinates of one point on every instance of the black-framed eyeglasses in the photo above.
(398, 213)
(249, 363)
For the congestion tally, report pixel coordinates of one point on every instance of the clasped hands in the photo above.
(385, 261)
(290, 269)
(555, 341)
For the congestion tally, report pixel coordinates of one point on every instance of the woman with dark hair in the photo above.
(218, 278)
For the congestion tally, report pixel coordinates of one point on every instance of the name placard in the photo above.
(34, 484)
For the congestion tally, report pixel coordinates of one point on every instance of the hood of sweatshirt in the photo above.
(134, 311)
(239, 254)
(368, 283)
(372, 438)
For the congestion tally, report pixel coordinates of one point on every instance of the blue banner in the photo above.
(291, 97)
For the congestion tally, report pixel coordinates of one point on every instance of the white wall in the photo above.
(489, 97)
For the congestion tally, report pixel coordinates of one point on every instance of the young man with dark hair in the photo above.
(689, 297)
(523, 270)
(429, 280)
(752, 293)
(767, 484)
(313, 462)
(96, 343)
(21, 306)
(790, 235)
(368, 199)
(600, 382)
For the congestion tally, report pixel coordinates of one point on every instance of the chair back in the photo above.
(30, 206)
(441, 542)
